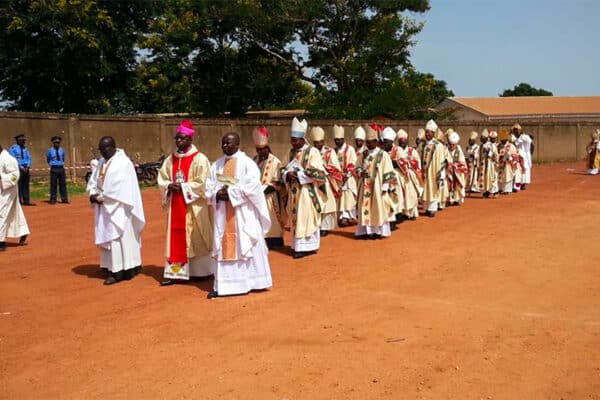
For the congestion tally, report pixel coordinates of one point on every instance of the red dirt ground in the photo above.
(497, 299)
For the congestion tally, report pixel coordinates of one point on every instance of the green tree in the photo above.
(356, 53)
(525, 89)
(69, 55)
(409, 96)
(198, 61)
(339, 58)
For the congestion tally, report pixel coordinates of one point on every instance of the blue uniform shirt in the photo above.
(21, 154)
(55, 157)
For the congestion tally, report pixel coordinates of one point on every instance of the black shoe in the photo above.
(412, 218)
(29, 204)
(52, 202)
(167, 282)
(129, 274)
(362, 237)
(299, 254)
(486, 195)
(374, 236)
(212, 295)
(393, 226)
(430, 214)
(65, 201)
(2, 246)
(324, 233)
(274, 243)
(110, 281)
(22, 240)
(523, 186)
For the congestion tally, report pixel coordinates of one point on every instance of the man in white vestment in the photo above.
(12, 219)
(523, 145)
(118, 212)
(235, 191)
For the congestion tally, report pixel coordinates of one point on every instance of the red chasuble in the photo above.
(178, 239)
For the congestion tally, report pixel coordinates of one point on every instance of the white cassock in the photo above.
(119, 220)
(523, 144)
(240, 225)
(12, 220)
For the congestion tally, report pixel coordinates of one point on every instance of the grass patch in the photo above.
(40, 190)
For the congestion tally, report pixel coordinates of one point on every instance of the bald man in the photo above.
(118, 213)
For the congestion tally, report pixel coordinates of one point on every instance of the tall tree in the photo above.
(525, 89)
(69, 55)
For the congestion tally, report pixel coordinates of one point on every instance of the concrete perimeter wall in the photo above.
(146, 137)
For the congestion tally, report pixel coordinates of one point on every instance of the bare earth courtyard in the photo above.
(497, 299)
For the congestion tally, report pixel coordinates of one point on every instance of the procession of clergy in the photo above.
(223, 218)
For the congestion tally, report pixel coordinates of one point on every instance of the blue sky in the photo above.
(481, 47)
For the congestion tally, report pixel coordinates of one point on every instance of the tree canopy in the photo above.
(336, 58)
(525, 89)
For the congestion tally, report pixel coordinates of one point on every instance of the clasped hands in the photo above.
(174, 187)
(94, 199)
(292, 176)
(222, 194)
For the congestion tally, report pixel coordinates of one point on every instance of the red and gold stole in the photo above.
(229, 241)
(178, 236)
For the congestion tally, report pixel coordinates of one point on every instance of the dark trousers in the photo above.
(24, 187)
(58, 178)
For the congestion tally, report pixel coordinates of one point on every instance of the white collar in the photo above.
(191, 150)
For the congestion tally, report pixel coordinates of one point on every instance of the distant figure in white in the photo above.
(523, 145)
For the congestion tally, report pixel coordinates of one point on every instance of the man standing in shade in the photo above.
(118, 213)
(347, 159)
(55, 156)
(12, 219)
(234, 190)
(20, 151)
(433, 159)
(270, 179)
(304, 177)
(181, 180)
